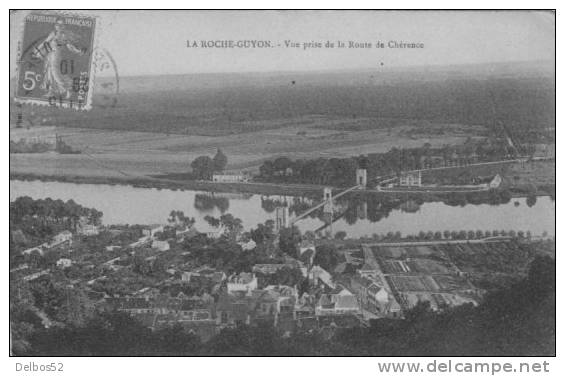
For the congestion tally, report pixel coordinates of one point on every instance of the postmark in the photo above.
(107, 88)
(56, 60)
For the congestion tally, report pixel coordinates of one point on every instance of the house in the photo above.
(87, 230)
(135, 306)
(244, 282)
(204, 329)
(371, 294)
(230, 178)
(185, 276)
(64, 262)
(411, 179)
(264, 306)
(335, 304)
(38, 250)
(152, 230)
(161, 245)
(187, 309)
(216, 234)
(305, 306)
(20, 267)
(62, 237)
(367, 270)
(268, 268)
(286, 298)
(544, 151)
(495, 182)
(318, 275)
(234, 310)
(203, 274)
(140, 242)
(186, 233)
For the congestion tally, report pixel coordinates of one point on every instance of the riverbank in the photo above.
(174, 185)
(268, 189)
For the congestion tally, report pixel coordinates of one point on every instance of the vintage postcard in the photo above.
(283, 183)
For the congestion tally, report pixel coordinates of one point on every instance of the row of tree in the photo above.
(341, 171)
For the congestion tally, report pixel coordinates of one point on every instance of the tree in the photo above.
(309, 235)
(327, 257)
(289, 239)
(281, 164)
(263, 233)
(340, 235)
(177, 217)
(220, 161)
(531, 200)
(232, 226)
(212, 221)
(203, 167)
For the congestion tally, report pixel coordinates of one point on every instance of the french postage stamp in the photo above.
(56, 60)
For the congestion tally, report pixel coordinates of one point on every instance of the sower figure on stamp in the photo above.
(56, 82)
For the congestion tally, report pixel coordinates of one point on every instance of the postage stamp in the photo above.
(56, 60)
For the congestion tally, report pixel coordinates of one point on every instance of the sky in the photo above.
(155, 42)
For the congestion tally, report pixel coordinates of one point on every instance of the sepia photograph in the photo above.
(283, 183)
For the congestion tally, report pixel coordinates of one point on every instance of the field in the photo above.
(531, 173)
(412, 283)
(151, 153)
(384, 251)
(160, 124)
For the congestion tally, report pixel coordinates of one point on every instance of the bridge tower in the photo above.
(361, 178)
(282, 219)
(328, 210)
(328, 207)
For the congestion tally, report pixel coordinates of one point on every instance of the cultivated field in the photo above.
(152, 153)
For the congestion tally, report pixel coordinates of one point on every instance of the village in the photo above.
(171, 274)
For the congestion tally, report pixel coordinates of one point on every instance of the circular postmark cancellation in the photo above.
(107, 86)
(56, 60)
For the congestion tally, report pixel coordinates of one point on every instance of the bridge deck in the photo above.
(296, 219)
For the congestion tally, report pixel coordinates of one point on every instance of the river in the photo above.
(129, 205)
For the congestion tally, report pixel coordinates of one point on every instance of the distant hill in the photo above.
(518, 94)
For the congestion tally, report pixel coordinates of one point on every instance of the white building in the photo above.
(65, 236)
(495, 182)
(230, 178)
(317, 274)
(334, 304)
(161, 245)
(87, 230)
(244, 282)
(411, 179)
(64, 262)
(152, 230)
(29, 251)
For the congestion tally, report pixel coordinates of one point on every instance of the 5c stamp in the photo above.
(56, 60)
